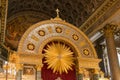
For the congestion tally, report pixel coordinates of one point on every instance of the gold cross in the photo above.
(57, 11)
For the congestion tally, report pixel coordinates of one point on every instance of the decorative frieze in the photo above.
(3, 17)
(97, 14)
(89, 63)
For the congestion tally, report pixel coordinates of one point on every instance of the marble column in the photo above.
(111, 50)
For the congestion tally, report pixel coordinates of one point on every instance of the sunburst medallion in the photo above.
(59, 57)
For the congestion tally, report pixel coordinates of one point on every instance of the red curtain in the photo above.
(47, 74)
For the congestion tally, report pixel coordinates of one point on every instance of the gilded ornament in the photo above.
(97, 15)
(39, 66)
(75, 37)
(58, 29)
(109, 29)
(13, 57)
(41, 33)
(59, 57)
(82, 43)
(30, 46)
(86, 52)
(34, 38)
(50, 29)
(67, 31)
(96, 71)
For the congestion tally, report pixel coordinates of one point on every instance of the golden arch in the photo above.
(48, 30)
(37, 36)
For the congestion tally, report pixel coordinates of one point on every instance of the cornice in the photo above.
(109, 17)
(4, 4)
(97, 14)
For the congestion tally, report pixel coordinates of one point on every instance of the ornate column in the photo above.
(38, 75)
(80, 74)
(19, 71)
(111, 50)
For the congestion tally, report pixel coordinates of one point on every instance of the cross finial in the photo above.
(57, 11)
(57, 17)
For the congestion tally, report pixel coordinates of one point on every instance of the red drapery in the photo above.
(47, 74)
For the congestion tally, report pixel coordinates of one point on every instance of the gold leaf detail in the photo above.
(59, 57)
(41, 32)
(75, 37)
(31, 46)
(86, 52)
(58, 29)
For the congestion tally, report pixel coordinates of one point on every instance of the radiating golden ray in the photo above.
(59, 57)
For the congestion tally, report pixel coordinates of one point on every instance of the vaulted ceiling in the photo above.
(73, 11)
(81, 13)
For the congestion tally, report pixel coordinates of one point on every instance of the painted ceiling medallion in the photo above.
(59, 57)
(58, 29)
(30, 46)
(86, 52)
(41, 32)
(75, 37)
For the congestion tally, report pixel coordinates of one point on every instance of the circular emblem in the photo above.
(41, 32)
(58, 29)
(30, 46)
(75, 37)
(59, 57)
(86, 52)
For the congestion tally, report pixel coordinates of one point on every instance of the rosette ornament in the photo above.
(59, 57)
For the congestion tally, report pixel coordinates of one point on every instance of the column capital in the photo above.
(96, 71)
(81, 70)
(109, 29)
(39, 66)
(19, 66)
(102, 74)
